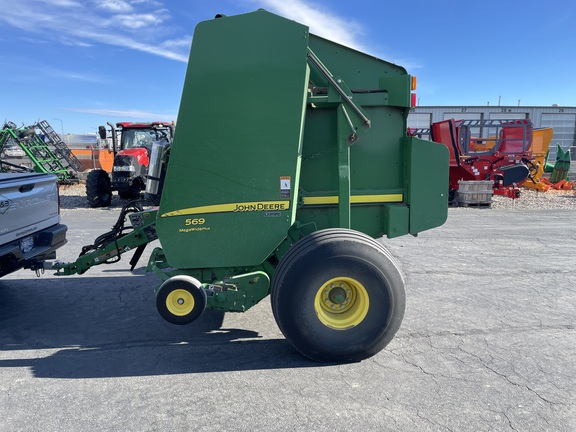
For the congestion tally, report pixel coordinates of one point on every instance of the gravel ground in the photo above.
(531, 199)
(74, 197)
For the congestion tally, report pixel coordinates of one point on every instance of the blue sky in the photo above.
(81, 63)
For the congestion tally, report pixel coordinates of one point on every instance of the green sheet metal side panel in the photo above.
(427, 196)
(377, 160)
(230, 192)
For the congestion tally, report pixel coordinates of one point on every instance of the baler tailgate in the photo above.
(234, 170)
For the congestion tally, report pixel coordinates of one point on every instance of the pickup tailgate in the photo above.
(28, 203)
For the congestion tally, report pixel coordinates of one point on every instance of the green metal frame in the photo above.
(43, 158)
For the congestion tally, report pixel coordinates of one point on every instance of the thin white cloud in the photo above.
(75, 76)
(133, 114)
(171, 44)
(23, 68)
(70, 75)
(66, 3)
(73, 42)
(150, 3)
(135, 22)
(326, 23)
(112, 22)
(163, 50)
(125, 23)
(320, 19)
(114, 5)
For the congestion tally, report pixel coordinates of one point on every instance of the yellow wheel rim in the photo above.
(341, 303)
(180, 302)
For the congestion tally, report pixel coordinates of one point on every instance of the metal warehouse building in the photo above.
(561, 119)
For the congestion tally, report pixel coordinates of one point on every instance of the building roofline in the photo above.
(495, 106)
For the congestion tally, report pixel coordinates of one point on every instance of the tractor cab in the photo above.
(133, 146)
(138, 135)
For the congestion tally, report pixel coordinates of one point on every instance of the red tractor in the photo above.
(139, 142)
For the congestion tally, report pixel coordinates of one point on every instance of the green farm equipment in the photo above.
(44, 147)
(290, 157)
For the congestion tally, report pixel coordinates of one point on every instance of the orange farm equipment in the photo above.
(541, 139)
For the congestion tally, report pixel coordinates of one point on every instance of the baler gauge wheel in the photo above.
(181, 300)
(337, 295)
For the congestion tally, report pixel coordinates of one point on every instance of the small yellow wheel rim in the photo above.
(341, 303)
(180, 302)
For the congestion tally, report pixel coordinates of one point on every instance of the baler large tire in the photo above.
(181, 300)
(98, 188)
(337, 295)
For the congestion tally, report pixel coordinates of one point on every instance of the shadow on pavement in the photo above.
(109, 327)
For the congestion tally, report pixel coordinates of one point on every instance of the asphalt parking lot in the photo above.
(488, 343)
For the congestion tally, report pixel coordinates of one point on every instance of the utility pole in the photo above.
(61, 125)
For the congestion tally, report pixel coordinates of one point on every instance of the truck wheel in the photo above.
(98, 188)
(181, 300)
(337, 295)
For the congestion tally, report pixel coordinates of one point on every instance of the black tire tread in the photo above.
(316, 241)
(94, 182)
(194, 287)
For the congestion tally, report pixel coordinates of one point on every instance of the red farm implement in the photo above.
(485, 150)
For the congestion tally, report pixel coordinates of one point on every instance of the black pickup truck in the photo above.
(30, 228)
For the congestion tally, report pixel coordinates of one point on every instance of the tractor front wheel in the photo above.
(337, 295)
(98, 188)
(181, 300)
(132, 192)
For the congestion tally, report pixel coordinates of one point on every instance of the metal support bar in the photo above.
(114, 244)
(322, 69)
(353, 137)
(343, 169)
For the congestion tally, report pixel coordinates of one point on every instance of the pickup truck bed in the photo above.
(30, 228)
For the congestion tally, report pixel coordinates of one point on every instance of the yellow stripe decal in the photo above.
(253, 206)
(354, 199)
